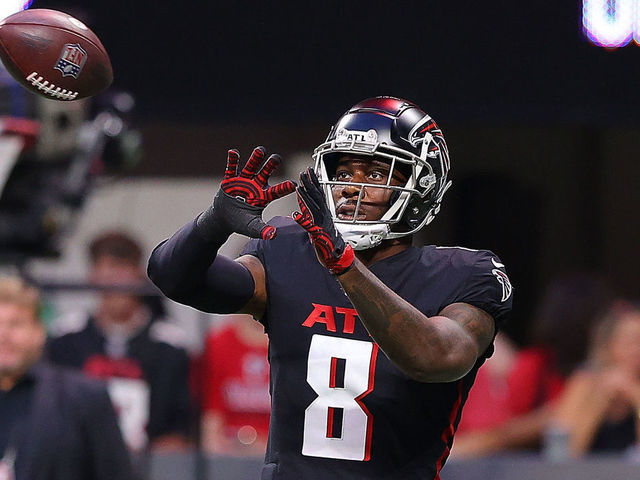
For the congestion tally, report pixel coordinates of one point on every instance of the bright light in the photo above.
(9, 7)
(611, 23)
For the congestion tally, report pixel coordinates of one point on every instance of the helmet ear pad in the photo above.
(415, 213)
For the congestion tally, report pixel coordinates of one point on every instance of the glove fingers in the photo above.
(298, 217)
(301, 203)
(309, 203)
(305, 180)
(314, 178)
(305, 221)
(266, 171)
(304, 208)
(232, 164)
(254, 162)
(268, 232)
(280, 190)
(303, 189)
(313, 188)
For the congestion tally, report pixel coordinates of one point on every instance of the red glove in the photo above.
(238, 205)
(315, 218)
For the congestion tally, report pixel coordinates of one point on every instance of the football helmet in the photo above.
(399, 133)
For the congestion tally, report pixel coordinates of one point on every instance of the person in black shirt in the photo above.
(54, 424)
(373, 343)
(138, 354)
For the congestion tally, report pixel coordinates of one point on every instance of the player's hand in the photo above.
(244, 193)
(314, 216)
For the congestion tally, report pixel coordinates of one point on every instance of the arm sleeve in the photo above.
(188, 270)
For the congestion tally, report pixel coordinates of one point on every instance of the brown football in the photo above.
(54, 54)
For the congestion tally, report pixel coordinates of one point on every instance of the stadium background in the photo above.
(543, 126)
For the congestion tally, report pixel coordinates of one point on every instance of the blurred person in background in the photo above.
(600, 407)
(236, 401)
(55, 424)
(569, 309)
(139, 355)
(488, 402)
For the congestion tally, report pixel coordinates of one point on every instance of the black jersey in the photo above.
(340, 408)
(149, 384)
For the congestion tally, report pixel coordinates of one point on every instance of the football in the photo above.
(54, 54)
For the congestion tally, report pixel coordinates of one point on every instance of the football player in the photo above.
(374, 343)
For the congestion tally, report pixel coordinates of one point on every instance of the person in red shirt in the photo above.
(490, 388)
(235, 388)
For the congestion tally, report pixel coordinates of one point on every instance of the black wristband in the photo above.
(227, 215)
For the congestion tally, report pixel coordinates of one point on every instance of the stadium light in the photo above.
(9, 7)
(611, 23)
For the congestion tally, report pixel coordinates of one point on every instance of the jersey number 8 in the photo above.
(337, 424)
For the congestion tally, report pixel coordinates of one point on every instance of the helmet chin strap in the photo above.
(362, 237)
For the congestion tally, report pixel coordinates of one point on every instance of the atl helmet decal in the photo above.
(72, 59)
(357, 140)
(504, 281)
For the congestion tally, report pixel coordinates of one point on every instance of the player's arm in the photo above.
(187, 267)
(429, 349)
(441, 348)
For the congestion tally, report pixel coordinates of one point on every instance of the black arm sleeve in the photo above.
(188, 270)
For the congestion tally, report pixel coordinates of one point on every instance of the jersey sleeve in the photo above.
(254, 248)
(488, 287)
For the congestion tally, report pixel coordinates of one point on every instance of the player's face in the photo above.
(21, 338)
(375, 201)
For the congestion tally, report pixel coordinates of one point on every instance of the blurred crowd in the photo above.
(573, 390)
(162, 397)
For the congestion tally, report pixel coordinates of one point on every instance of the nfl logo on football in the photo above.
(71, 61)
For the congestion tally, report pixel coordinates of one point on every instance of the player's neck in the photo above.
(387, 249)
